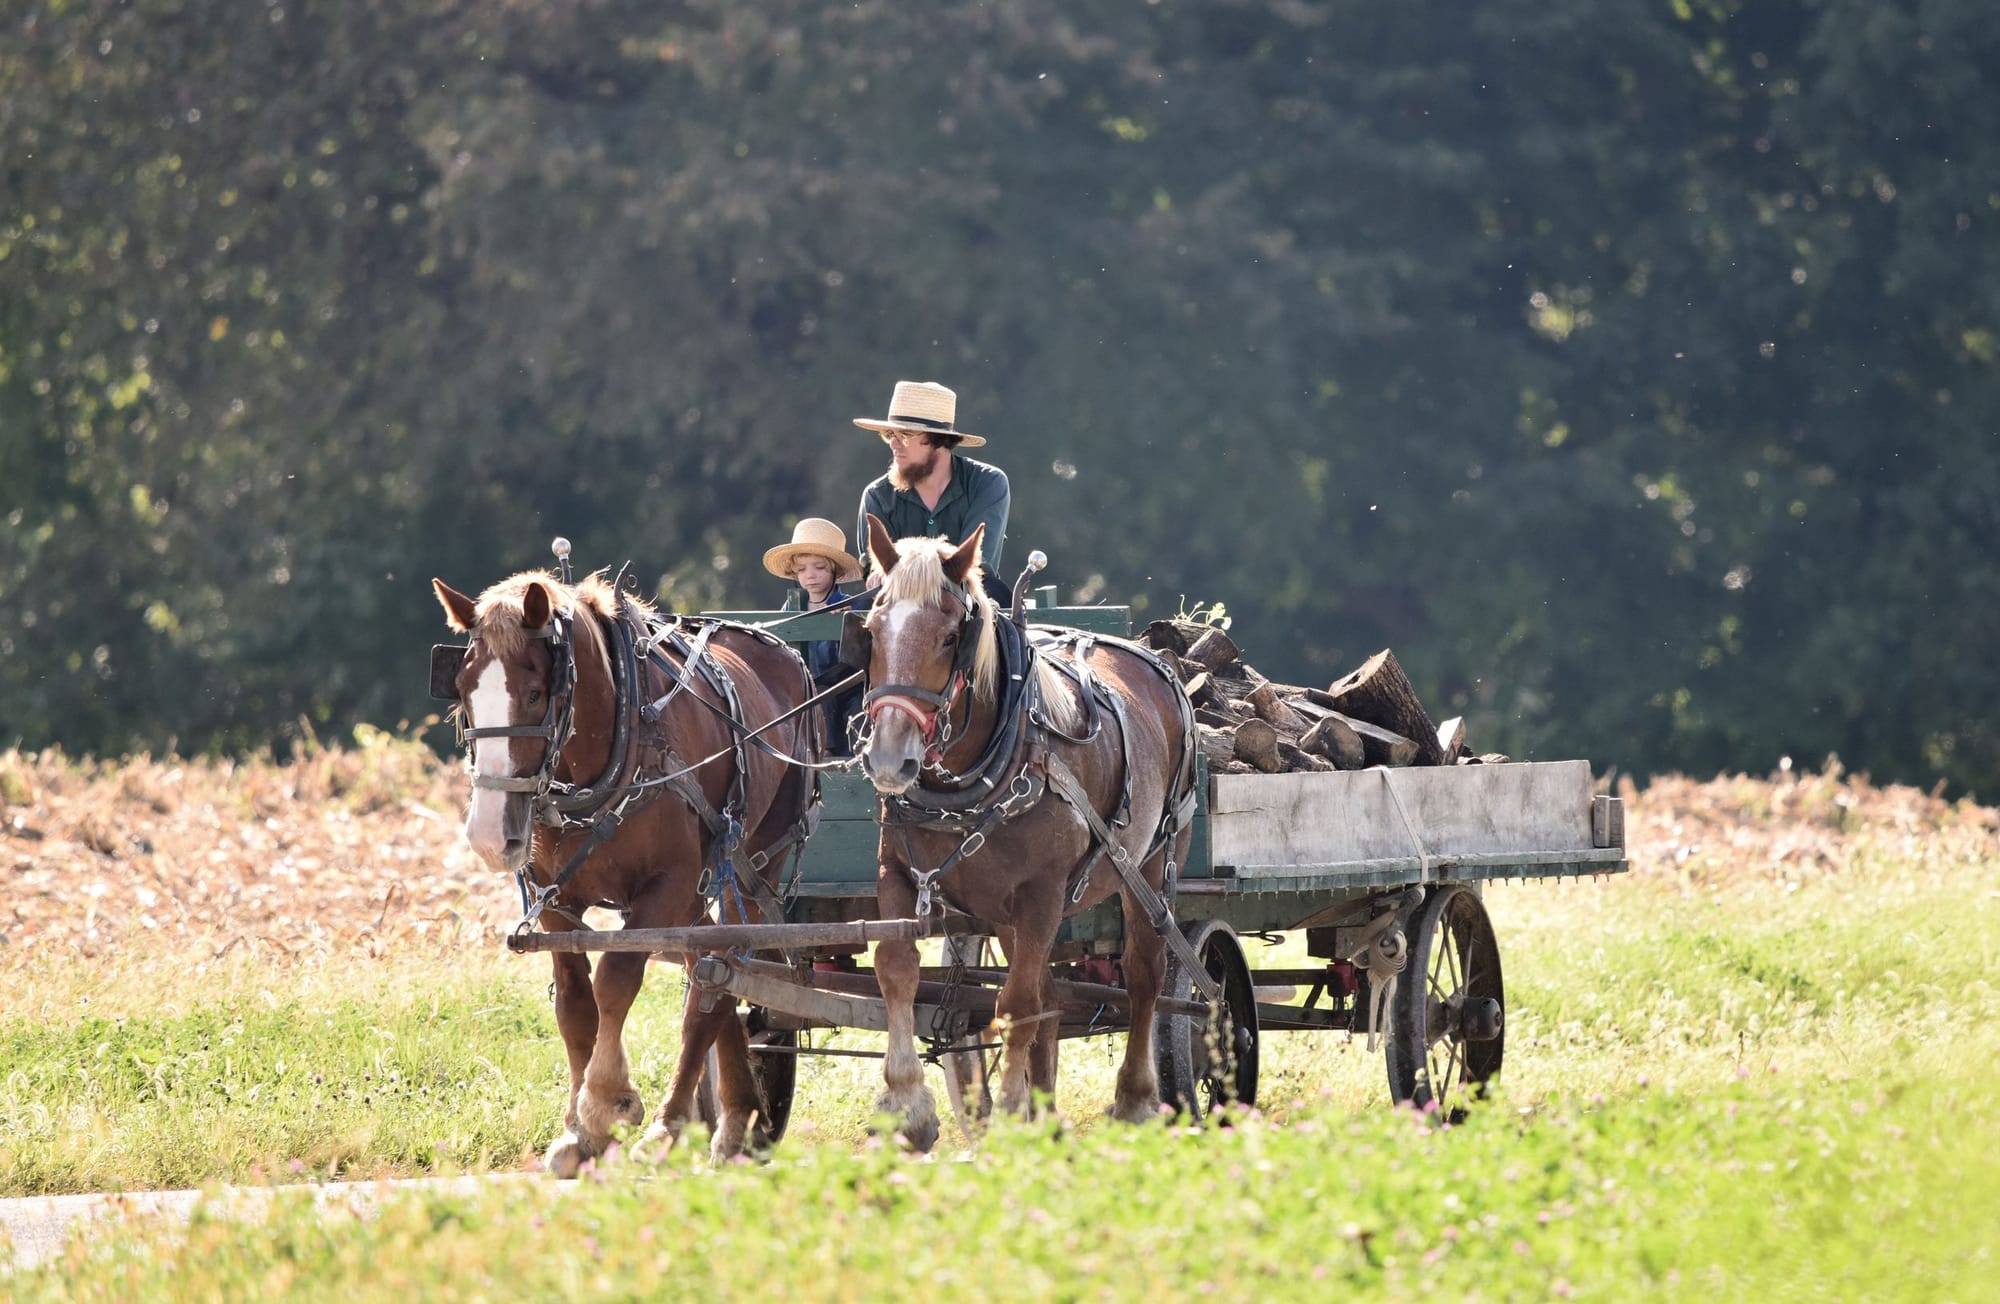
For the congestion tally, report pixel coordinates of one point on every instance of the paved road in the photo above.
(38, 1225)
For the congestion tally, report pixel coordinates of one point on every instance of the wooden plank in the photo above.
(709, 937)
(1344, 817)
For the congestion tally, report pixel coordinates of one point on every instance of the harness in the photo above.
(639, 647)
(1019, 766)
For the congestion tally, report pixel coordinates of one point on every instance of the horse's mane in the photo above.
(500, 615)
(918, 577)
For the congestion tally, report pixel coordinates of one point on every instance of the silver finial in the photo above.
(560, 547)
(1037, 559)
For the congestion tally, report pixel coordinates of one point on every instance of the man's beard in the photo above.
(917, 474)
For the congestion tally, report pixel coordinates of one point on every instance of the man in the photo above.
(931, 488)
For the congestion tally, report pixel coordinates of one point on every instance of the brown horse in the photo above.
(610, 768)
(1023, 792)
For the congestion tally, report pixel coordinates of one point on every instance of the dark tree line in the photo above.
(1630, 368)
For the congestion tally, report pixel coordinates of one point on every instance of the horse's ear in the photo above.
(965, 557)
(535, 606)
(881, 548)
(458, 609)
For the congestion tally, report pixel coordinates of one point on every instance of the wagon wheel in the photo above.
(968, 1073)
(775, 1076)
(1447, 1019)
(1206, 1065)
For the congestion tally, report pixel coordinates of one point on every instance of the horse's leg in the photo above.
(576, 1019)
(608, 1096)
(1138, 1096)
(903, 1091)
(1024, 998)
(1048, 1038)
(698, 1033)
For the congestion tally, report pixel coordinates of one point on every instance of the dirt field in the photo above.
(357, 850)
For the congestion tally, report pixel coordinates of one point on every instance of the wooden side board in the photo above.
(1345, 817)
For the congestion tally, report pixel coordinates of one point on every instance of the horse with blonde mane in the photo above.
(626, 760)
(1021, 779)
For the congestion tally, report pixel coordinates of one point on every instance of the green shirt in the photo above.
(977, 495)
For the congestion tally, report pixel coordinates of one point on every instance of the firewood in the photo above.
(1379, 692)
(1297, 758)
(1215, 719)
(1379, 746)
(1198, 690)
(1189, 669)
(1218, 745)
(1451, 739)
(1257, 743)
(1214, 649)
(1333, 739)
(1271, 708)
(1164, 636)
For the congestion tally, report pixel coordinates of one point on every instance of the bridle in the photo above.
(557, 727)
(929, 711)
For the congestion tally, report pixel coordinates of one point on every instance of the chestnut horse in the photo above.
(1024, 784)
(610, 767)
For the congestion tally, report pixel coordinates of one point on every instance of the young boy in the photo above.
(817, 560)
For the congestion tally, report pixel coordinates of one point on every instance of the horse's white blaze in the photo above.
(490, 706)
(896, 737)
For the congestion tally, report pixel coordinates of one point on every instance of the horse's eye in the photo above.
(951, 640)
(534, 697)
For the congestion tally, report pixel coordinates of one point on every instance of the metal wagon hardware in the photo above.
(1381, 869)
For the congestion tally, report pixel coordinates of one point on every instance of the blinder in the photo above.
(857, 645)
(447, 659)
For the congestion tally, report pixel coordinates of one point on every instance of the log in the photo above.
(1451, 739)
(1198, 690)
(1295, 757)
(1379, 746)
(1214, 650)
(1335, 740)
(1379, 692)
(1218, 745)
(1271, 709)
(1257, 743)
(1188, 669)
(1215, 719)
(1164, 636)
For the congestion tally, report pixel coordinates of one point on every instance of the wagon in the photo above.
(1349, 859)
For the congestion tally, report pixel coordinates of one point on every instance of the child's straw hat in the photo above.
(819, 537)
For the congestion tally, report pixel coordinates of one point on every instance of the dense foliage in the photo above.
(1629, 367)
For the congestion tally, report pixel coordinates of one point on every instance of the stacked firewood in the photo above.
(1248, 723)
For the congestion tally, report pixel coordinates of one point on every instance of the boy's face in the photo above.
(815, 575)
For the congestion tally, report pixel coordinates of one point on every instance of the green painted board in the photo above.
(820, 625)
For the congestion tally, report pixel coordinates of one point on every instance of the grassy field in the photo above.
(1757, 1066)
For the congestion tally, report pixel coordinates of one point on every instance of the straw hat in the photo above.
(922, 405)
(819, 537)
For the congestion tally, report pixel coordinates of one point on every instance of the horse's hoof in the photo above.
(1135, 1110)
(728, 1142)
(916, 1122)
(601, 1114)
(566, 1157)
(659, 1139)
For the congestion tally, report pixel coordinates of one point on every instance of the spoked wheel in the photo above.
(1447, 1019)
(1206, 1065)
(775, 1075)
(968, 1073)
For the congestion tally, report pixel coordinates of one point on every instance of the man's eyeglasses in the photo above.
(900, 437)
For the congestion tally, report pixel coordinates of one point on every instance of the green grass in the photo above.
(1766, 1189)
(1750, 1091)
